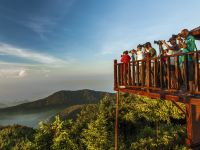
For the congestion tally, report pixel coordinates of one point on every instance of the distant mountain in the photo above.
(17, 102)
(58, 100)
(2, 105)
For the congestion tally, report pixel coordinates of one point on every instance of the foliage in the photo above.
(143, 124)
(99, 134)
(15, 137)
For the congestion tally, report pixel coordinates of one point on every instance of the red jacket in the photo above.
(125, 58)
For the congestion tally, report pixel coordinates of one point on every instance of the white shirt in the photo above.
(171, 52)
(140, 55)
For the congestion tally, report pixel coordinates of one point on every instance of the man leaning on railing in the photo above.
(188, 45)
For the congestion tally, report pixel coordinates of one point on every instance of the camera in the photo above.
(141, 45)
(159, 42)
(175, 36)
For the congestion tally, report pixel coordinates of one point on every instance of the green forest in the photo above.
(144, 124)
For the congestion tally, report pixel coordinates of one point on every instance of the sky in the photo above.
(52, 45)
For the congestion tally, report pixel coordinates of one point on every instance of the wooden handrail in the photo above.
(151, 73)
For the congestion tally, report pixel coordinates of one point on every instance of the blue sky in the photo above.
(51, 45)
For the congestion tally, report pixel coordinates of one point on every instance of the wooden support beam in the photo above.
(116, 122)
(179, 107)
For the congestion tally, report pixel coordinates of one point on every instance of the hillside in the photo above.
(71, 112)
(58, 100)
(31, 113)
(14, 137)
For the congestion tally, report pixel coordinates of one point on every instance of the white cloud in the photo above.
(6, 49)
(13, 72)
(22, 73)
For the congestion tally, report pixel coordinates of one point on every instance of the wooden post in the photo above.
(168, 73)
(186, 71)
(137, 72)
(193, 123)
(177, 72)
(121, 73)
(133, 73)
(197, 82)
(148, 72)
(161, 72)
(155, 73)
(115, 74)
(125, 67)
(188, 125)
(142, 73)
(116, 122)
(129, 74)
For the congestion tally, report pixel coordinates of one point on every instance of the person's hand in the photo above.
(163, 41)
(179, 38)
(184, 45)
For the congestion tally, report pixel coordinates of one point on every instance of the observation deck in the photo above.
(153, 77)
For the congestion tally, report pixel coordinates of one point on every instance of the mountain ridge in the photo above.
(60, 99)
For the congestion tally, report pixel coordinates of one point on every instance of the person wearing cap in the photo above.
(173, 48)
(188, 45)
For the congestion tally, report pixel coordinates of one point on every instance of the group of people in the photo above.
(184, 42)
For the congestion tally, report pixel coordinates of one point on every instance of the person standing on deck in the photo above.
(188, 45)
(133, 54)
(173, 48)
(140, 56)
(152, 54)
(125, 59)
(151, 50)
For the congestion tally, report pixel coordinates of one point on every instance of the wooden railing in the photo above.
(156, 74)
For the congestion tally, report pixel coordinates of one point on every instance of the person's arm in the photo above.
(122, 59)
(153, 52)
(181, 43)
(129, 58)
(167, 45)
(160, 49)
